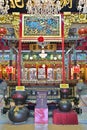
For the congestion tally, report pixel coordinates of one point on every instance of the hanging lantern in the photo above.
(82, 31)
(86, 30)
(41, 39)
(76, 69)
(3, 31)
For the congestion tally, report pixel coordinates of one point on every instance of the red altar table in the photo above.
(66, 118)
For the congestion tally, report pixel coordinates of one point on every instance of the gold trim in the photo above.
(12, 19)
(69, 19)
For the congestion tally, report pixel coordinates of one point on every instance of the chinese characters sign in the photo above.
(20, 5)
(16, 3)
(17, 6)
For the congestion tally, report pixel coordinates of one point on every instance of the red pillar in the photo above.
(19, 64)
(69, 69)
(63, 64)
(19, 52)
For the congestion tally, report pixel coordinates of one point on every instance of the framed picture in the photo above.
(48, 27)
(32, 73)
(41, 73)
(59, 74)
(50, 74)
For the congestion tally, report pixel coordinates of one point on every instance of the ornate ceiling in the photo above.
(73, 18)
(13, 20)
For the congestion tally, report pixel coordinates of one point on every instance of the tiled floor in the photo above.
(42, 127)
(6, 124)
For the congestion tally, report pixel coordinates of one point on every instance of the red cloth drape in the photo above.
(65, 117)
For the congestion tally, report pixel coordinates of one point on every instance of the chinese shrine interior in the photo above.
(43, 56)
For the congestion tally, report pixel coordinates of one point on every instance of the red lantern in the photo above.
(86, 30)
(3, 31)
(41, 39)
(76, 69)
(81, 31)
(9, 69)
